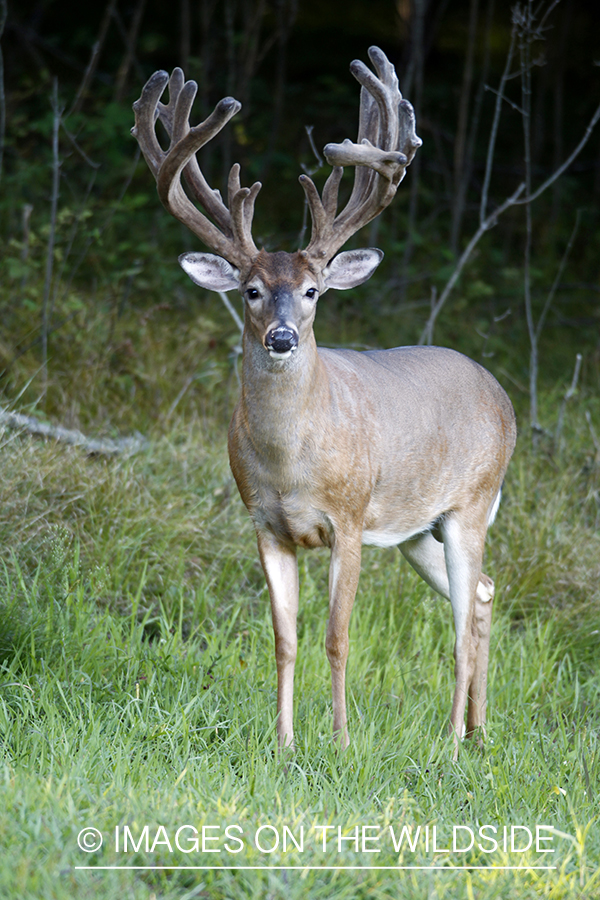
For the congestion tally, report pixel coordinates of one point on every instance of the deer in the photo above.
(337, 448)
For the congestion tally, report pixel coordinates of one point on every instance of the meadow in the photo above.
(137, 690)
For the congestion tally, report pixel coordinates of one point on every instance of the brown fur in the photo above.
(328, 445)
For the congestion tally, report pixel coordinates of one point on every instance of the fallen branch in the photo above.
(92, 446)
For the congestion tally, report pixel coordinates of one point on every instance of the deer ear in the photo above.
(347, 270)
(209, 271)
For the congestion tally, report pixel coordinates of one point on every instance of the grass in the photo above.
(137, 680)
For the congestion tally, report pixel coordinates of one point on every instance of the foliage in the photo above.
(113, 238)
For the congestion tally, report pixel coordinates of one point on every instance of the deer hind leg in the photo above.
(344, 572)
(463, 552)
(480, 636)
(428, 557)
(281, 571)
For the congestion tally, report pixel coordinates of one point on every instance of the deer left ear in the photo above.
(347, 270)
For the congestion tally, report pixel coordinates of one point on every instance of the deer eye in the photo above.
(252, 294)
(311, 293)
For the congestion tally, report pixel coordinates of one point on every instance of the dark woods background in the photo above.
(89, 255)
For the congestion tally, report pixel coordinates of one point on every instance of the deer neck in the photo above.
(281, 401)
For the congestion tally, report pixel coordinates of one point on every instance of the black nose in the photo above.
(281, 339)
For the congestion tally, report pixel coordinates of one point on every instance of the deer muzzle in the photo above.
(281, 341)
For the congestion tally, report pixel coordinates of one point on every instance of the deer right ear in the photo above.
(209, 271)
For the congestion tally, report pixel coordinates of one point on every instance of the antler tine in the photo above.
(386, 145)
(378, 121)
(231, 236)
(317, 210)
(184, 100)
(378, 124)
(176, 200)
(233, 182)
(241, 203)
(331, 190)
(407, 135)
(181, 99)
(386, 92)
(402, 122)
(322, 212)
(368, 133)
(174, 116)
(166, 111)
(242, 209)
(145, 115)
(248, 210)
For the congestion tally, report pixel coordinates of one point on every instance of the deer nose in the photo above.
(281, 340)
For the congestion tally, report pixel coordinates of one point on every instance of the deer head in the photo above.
(280, 289)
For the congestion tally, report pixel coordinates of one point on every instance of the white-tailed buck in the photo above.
(335, 448)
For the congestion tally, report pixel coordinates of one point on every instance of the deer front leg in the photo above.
(281, 571)
(344, 572)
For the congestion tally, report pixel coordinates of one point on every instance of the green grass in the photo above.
(137, 680)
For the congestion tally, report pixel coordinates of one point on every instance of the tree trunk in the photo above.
(461, 163)
(414, 82)
(129, 55)
(185, 35)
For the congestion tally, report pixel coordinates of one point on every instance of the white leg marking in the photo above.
(485, 592)
(494, 509)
